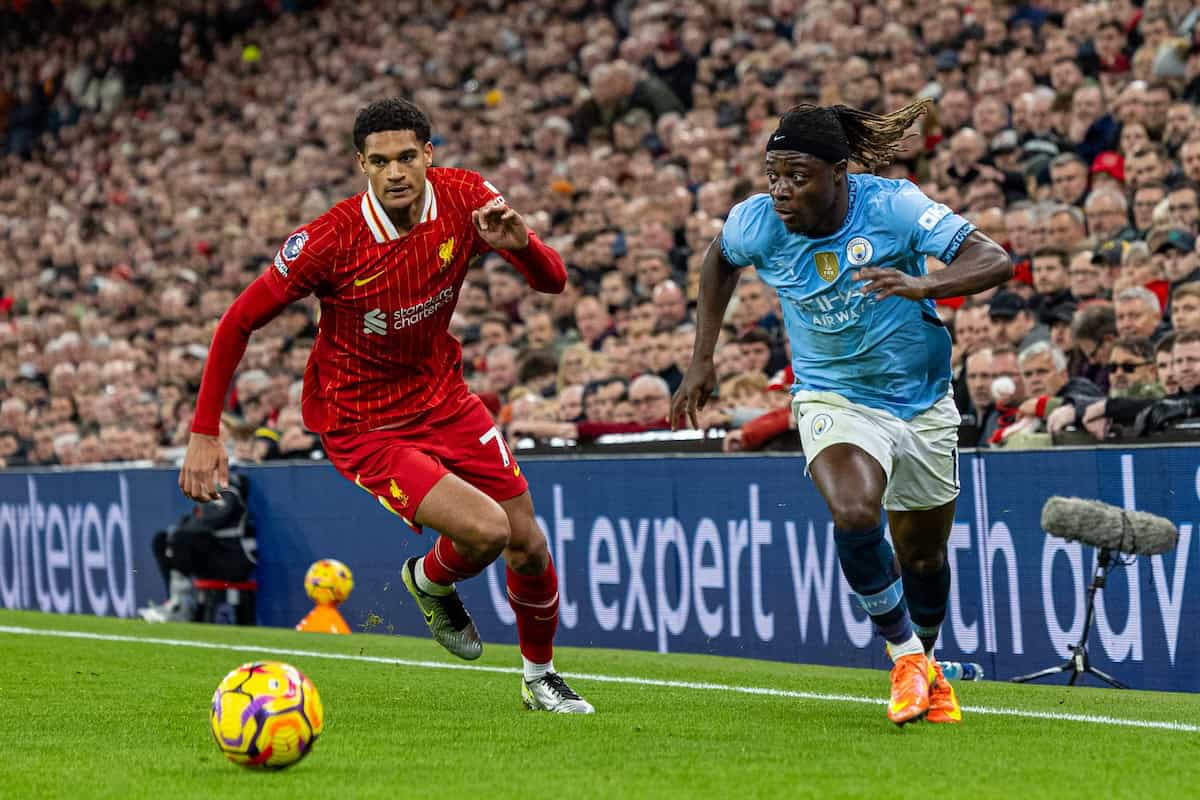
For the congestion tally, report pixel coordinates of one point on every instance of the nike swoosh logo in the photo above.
(365, 281)
(777, 138)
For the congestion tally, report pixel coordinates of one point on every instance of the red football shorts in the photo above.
(399, 465)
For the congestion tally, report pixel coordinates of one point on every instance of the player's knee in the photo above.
(855, 515)
(487, 536)
(922, 562)
(528, 554)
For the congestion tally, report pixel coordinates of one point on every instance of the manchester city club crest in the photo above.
(859, 251)
(827, 265)
(820, 424)
(293, 246)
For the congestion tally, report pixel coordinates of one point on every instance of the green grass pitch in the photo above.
(93, 718)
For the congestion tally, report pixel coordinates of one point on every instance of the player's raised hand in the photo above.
(882, 283)
(693, 392)
(205, 469)
(500, 226)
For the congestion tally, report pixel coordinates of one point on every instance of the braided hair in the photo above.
(872, 140)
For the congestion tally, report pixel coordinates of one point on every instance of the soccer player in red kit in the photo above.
(384, 384)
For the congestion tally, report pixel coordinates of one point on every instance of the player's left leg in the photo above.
(533, 596)
(475, 450)
(398, 468)
(920, 504)
(920, 539)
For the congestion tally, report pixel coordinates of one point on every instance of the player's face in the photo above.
(395, 163)
(804, 189)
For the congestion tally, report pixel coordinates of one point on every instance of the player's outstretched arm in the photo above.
(980, 264)
(205, 467)
(718, 279)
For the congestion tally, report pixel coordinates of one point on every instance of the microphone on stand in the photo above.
(1107, 527)
(1112, 531)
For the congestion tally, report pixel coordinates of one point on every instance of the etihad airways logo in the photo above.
(376, 320)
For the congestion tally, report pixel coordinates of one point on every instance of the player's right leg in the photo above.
(849, 450)
(394, 466)
(852, 483)
(474, 533)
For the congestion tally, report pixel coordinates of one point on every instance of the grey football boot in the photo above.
(446, 617)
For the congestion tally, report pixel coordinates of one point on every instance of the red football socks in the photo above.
(445, 565)
(534, 600)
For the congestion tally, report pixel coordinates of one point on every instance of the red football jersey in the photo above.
(383, 351)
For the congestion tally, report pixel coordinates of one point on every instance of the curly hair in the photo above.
(392, 114)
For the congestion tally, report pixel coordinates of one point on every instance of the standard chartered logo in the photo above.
(375, 321)
(67, 558)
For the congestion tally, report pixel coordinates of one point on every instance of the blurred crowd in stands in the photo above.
(155, 155)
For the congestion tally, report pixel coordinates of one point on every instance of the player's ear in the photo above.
(362, 161)
(428, 154)
(837, 174)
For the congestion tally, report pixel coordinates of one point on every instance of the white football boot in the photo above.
(551, 693)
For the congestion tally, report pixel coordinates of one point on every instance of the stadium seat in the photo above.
(237, 605)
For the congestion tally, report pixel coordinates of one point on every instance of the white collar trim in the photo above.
(430, 211)
(381, 225)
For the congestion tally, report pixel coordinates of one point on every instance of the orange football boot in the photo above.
(943, 702)
(910, 689)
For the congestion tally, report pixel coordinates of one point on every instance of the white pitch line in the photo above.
(1093, 719)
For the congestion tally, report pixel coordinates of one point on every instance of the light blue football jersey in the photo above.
(891, 354)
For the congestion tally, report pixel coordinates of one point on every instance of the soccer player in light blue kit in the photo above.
(846, 253)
